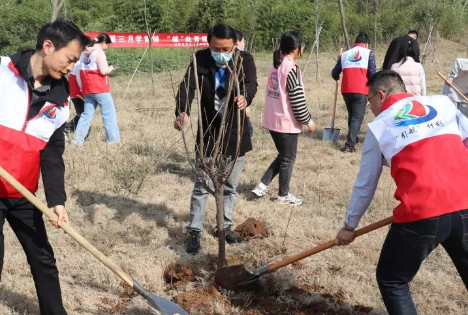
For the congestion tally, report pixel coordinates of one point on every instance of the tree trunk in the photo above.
(219, 198)
(56, 6)
(343, 23)
(317, 40)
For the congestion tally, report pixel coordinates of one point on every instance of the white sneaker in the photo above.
(289, 200)
(261, 190)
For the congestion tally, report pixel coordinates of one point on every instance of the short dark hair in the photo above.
(413, 32)
(388, 81)
(60, 33)
(362, 38)
(239, 35)
(222, 31)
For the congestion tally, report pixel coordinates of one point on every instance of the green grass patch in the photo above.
(164, 59)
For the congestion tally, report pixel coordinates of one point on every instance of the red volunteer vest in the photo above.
(22, 139)
(422, 140)
(354, 63)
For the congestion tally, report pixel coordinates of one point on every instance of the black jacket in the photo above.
(206, 68)
(52, 165)
(393, 50)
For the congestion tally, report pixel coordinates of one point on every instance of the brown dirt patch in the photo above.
(293, 301)
(112, 307)
(252, 228)
(178, 274)
(200, 300)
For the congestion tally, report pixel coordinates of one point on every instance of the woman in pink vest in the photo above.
(285, 113)
(95, 86)
(411, 72)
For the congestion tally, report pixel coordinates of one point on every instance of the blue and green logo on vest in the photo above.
(414, 113)
(51, 113)
(356, 57)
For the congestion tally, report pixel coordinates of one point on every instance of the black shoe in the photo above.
(348, 149)
(193, 242)
(232, 237)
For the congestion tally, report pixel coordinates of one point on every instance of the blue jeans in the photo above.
(200, 198)
(286, 144)
(406, 247)
(109, 118)
(356, 106)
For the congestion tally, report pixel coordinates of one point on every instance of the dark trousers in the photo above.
(406, 247)
(249, 125)
(286, 144)
(356, 106)
(28, 225)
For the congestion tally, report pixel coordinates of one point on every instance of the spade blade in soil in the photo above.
(158, 304)
(331, 134)
(239, 278)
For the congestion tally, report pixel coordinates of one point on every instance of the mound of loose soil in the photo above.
(252, 228)
(125, 297)
(178, 274)
(201, 300)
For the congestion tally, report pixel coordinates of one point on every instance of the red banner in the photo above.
(159, 40)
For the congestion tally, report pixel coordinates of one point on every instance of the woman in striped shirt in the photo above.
(285, 113)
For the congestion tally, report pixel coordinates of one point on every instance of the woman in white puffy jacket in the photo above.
(411, 72)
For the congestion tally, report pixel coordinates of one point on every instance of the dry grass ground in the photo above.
(132, 203)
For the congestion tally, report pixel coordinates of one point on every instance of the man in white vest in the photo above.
(424, 140)
(357, 65)
(33, 112)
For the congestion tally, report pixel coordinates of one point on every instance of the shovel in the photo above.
(158, 304)
(239, 278)
(332, 134)
(450, 84)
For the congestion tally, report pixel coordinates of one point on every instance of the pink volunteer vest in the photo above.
(278, 114)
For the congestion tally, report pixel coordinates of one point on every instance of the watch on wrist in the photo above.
(348, 228)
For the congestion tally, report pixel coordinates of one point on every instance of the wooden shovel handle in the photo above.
(327, 245)
(452, 86)
(334, 104)
(336, 94)
(66, 227)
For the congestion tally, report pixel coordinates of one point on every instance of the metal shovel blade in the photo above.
(158, 304)
(331, 134)
(239, 278)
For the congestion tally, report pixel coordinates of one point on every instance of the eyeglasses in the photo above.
(369, 98)
(368, 104)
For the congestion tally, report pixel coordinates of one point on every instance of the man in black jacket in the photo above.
(213, 79)
(33, 110)
(393, 50)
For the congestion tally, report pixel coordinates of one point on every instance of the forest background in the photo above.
(262, 21)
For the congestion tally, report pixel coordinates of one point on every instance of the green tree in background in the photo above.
(260, 20)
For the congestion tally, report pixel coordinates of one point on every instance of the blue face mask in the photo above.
(221, 58)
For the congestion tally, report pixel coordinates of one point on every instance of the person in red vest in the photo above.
(33, 112)
(357, 65)
(76, 96)
(95, 86)
(413, 135)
